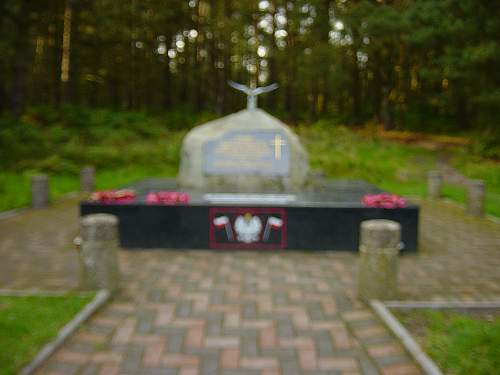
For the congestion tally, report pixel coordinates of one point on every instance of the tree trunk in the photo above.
(461, 106)
(66, 53)
(356, 92)
(19, 63)
(387, 112)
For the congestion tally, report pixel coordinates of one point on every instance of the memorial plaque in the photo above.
(255, 152)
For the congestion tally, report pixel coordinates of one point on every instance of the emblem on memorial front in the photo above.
(247, 228)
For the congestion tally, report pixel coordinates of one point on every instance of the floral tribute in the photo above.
(167, 197)
(113, 196)
(384, 200)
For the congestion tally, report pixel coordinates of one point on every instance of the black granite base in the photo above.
(327, 218)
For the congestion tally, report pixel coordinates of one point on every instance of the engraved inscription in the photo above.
(247, 152)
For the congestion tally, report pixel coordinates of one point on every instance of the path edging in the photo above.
(442, 305)
(40, 293)
(401, 333)
(43, 355)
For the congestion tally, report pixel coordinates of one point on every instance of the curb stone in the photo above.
(442, 305)
(39, 293)
(43, 355)
(426, 364)
(11, 213)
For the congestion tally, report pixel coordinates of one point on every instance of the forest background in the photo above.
(118, 83)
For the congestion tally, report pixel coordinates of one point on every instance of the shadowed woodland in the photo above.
(117, 84)
(427, 65)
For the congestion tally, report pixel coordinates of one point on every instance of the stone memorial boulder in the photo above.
(246, 151)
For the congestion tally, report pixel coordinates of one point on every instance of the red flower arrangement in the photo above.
(113, 196)
(167, 197)
(384, 200)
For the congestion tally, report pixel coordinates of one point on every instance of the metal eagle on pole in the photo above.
(252, 93)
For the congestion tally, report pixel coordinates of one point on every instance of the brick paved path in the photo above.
(201, 312)
(459, 257)
(36, 249)
(233, 313)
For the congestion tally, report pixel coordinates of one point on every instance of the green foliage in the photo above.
(395, 167)
(129, 146)
(343, 154)
(487, 144)
(15, 190)
(51, 141)
(475, 167)
(460, 344)
(28, 323)
(123, 146)
(414, 64)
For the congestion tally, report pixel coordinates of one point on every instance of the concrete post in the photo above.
(434, 184)
(378, 265)
(87, 179)
(475, 198)
(99, 251)
(40, 191)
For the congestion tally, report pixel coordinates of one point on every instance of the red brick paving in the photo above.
(201, 312)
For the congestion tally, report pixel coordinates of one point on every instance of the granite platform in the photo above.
(324, 217)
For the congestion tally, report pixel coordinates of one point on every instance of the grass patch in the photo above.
(487, 170)
(341, 153)
(15, 189)
(28, 323)
(129, 146)
(123, 146)
(459, 344)
(395, 167)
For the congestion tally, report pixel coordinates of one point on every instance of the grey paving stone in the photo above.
(249, 311)
(209, 364)
(89, 369)
(248, 347)
(145, 320)
(324, 344)
(183, 309)
(240, 372)
(315, 311)
(285, 329)
(133, 360)
(281, 354)
(290, 367)
(367, 368)
(175, 340)
(158, 371)
(391, 360)
(64, 368)
(217, 297)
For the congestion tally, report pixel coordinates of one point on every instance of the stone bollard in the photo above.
(434, 184)
(99, 251)
(87, 179)
(475, 199)
(378, 265)
(40, 191)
